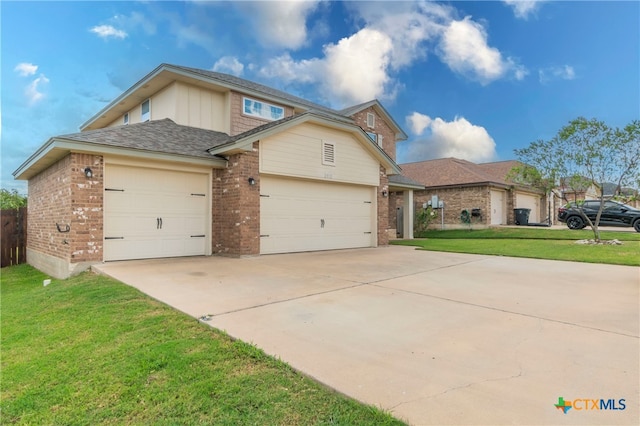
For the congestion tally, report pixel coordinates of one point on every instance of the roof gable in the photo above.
(244, 141)
(166, 74)
(375, 104)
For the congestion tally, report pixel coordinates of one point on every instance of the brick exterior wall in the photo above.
(456, 200)
(50, 203)
(381, 128)
(236, 206)
(63, 195)
(240, 122)
(383, 209)
(86, 202)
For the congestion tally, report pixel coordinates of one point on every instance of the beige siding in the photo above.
(198, 107)
(298, 153)
(187, 105)
(163, 104)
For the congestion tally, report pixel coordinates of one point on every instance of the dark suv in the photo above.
(613, 214)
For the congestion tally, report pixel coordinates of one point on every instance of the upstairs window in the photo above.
(125, 119)
(262, 109)
(371, 120)
(376, 138)
(145, 110)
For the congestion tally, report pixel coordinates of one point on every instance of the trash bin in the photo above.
(522, 216)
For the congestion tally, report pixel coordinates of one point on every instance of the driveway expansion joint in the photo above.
(446, 299)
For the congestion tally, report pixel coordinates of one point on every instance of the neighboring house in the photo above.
(482, 190)
(193, 162)
(567, 193)
(579, 190)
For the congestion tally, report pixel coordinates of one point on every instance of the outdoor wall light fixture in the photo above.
(88, 172)
(252, 181)
(385, 193)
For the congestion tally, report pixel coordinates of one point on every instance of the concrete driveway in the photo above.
(434, 338)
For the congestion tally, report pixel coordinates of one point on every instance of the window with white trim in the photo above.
(376, 138)
(145, 110)
(262, 109)
(328, 153)
(371, 120)
(125, 118)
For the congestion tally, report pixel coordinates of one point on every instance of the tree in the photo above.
(11, 199)
(584, 153)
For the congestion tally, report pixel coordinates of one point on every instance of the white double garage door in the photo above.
(154, 213)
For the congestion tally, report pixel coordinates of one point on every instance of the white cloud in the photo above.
(565, 72)
(356, 67)
(32, 91)
(26, 69)
(107, 31)
(229, 64)
(418, 122)
(280, 24)
(458, 138)
(352, 71)
(465, 50)
(524, 8)
(394, 35)
(285, 68)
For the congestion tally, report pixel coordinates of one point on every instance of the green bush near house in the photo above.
(90, 350)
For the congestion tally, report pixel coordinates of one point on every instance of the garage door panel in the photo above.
(152, 213)
(526, 201)
(308, 215)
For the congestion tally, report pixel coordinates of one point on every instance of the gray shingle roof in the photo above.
(449, 171)
(401, 180)
(157, 136)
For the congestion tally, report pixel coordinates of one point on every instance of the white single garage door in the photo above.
(150, 213)
(527, 201)
(298, 215)
(498, 200)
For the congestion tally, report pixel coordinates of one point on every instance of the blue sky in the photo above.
(472, 80)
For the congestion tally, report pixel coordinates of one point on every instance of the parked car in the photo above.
(613, 214)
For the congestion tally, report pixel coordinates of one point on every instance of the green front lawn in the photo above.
(90, 350)
(536, 243)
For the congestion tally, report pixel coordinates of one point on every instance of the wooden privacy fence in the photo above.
(14, 236)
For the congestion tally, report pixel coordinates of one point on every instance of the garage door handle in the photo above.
(321, 223)
(158, 223)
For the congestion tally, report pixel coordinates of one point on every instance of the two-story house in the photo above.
(191, 162)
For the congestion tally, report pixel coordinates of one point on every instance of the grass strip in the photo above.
(627, 254)
(90, 350)
(528, 234)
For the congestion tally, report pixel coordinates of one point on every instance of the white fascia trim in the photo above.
(64, 146)
(406, 186)
(124, 95)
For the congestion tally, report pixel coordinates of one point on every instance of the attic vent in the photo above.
(371, 120)
(328, 154)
